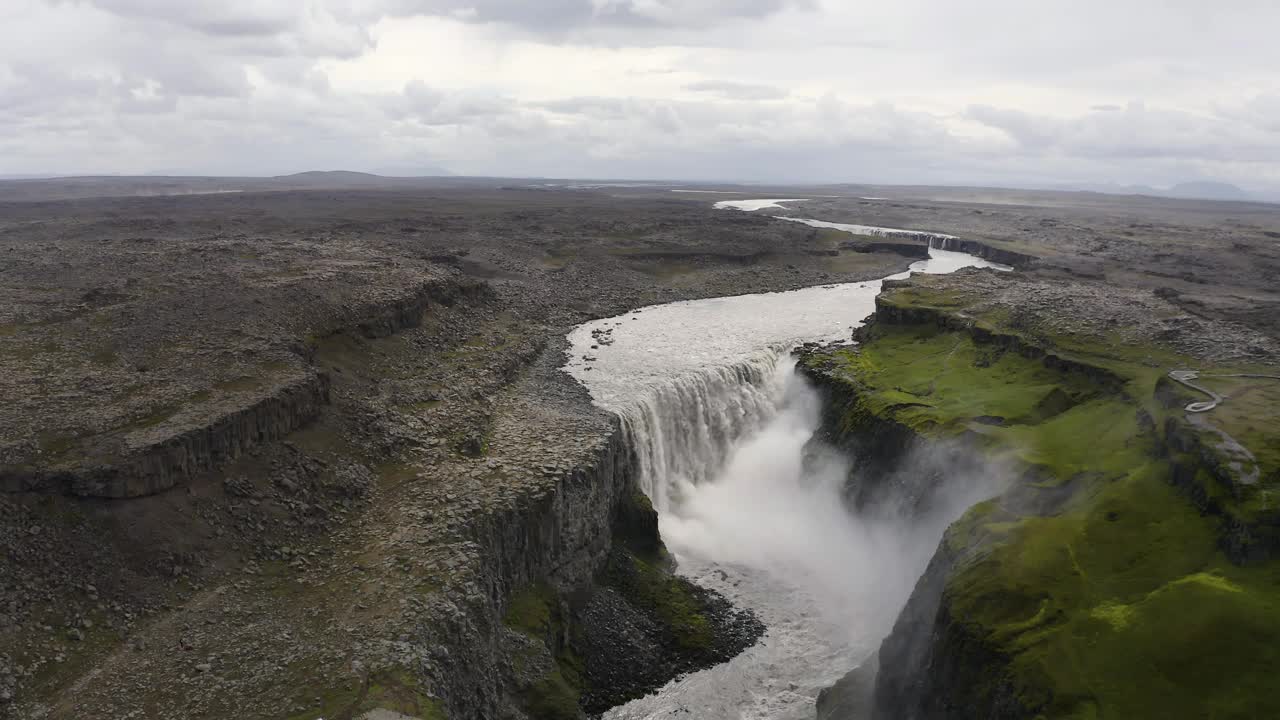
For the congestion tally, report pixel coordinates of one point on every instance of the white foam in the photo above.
(753, 205)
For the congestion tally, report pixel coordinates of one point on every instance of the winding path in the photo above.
(1242, 462)
(1187, 377)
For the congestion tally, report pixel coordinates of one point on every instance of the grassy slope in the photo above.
(1120, 605)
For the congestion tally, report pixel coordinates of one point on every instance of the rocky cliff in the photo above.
(1085, 588)
(983, 250)
(216, 424)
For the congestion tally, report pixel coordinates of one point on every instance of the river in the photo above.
(747, 504)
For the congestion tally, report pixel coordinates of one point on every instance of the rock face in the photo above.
(577, 566)
(932, 668)
(171, 460)
(154, 459)
(984, 251)
(907, 249)
(1124, 545)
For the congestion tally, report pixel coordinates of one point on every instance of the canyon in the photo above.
(315, 454)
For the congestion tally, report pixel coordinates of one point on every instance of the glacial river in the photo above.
(708, 394)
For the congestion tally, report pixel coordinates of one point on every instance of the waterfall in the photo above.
(753, 507)
(683, 431)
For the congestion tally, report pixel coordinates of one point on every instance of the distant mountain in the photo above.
(27, 177)
(1207, 191)
(413, 171)
(1199, 190)
(332, 177)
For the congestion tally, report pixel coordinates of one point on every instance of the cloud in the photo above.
(910, 91)
(563, 15)
(226, 17)
(1136, 132)
(737, 90)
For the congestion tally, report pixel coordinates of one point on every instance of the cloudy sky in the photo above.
(922, 91)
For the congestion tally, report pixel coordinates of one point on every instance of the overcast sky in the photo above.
(920, 91)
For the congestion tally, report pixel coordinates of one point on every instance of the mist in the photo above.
(778, 505)
(767, 521)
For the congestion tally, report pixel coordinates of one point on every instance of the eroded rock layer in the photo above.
(1127, 569)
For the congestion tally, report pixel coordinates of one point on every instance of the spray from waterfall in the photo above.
(728, 458)
(746, 494)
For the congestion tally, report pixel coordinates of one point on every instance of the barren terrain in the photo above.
(285, 452)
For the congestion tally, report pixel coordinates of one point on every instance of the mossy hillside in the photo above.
(679, 618)
(535, 611)
(641, 570)
(1120, 604)
(1249, 415)
(670, 599)
(918, 309)
(532, 611)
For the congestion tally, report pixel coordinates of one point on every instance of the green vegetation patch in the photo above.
(668, 598)
(1123, 607)
(942, 383)
(535, 612)
(394, 690)
(530, 611)
(1248, 414)
(552, 698)
(1119, 602)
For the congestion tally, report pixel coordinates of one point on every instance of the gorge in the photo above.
(750, 503)
(826, 501)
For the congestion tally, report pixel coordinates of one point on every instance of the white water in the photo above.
(868, 229)
(721, 422)
(876, 230)
(752, 205)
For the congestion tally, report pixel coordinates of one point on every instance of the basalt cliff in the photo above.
(1127, 567)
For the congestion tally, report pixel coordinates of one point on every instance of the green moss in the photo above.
(919, 295)
(400, 692)
(470, 444)
(943, 383)
(671, 600)
(1248, 415)
(641, 502)
(1119, 603)
(552, 698)
(530, 611)
(557, 258)
(1123, 606)
(534, 611)
(832, 238)
(80, 656)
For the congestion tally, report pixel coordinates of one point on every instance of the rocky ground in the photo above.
(1215, 261)
(189, 534)
(285, 454)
